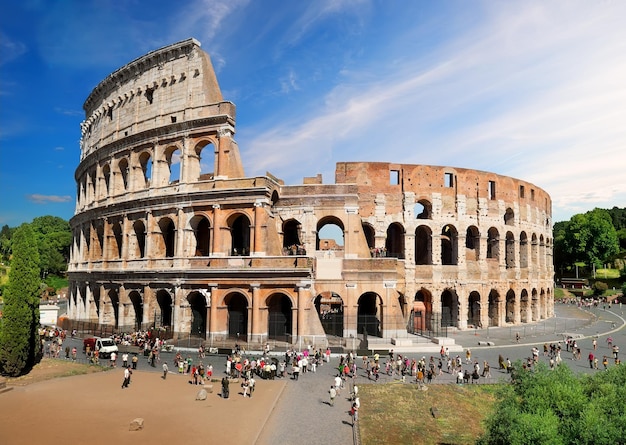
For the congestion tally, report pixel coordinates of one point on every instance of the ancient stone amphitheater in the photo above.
(170, 233)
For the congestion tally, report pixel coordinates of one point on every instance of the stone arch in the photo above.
(292, 230)
(523, 250)
(534, 308)
(145, 162)
(117, 239)
(165, 303)
(472, 244)
(106, 175)
(534, 247)
(239, 226)
(173, 160)
(111, 315)
(494, 308)
(449, 245)
(333, 227)
(394, 242)
(493, 243)
(510, 306)
(473, 310)
(98, 232)
(422, 313)
(237, 306)
(509, 254)
(202, 165)
(122, 167)
(201, 227)
(423, 245)
(167, 242)
(139, 229)
(542, 304)
(509, 217)
(370, 314)
(449, 308)
(137, 305)
(542, 252)
(524, 307)
(279, 317)
(370, 237)
(423, 209)
(329, 307)
(198, 305)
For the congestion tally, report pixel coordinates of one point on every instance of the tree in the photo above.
(54, 238)
(20, 345)
(590, 238)
(5, 243)
(558, 407)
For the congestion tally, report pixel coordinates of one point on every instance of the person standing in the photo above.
(165, 370)
(125, 359)
(126, 378)
(591, 360)
(355, 413)
(135, 359)
(225, 388)
(113, 358)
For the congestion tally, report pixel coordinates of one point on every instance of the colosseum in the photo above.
(170, 233)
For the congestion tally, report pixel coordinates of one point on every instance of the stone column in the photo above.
(300, 325)
(256, 331)
(216, 239)
(258, 248)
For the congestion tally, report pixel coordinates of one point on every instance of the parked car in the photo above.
(104, 346)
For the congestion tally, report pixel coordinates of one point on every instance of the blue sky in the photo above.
(530, 89)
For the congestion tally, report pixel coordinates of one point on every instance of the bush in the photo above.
(599, 288)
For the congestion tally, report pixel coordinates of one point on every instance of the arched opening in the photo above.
(449, 308)
(145, 161)
(472, 244)
(164, 300)
(535, 305)
(542, 304)
(370, 237)
(524, 307)
(534, 254)
(172, 157)
(523, 250)
(106, 174)
(493, 244)
(237, 316)
(422, 312)
(202, 234)
(473, 310)
(449, 245)
(291, 237)
(509, 256)
(202, 166)
(330, 234)
(329, 306)
(112, 313)
(494, 308)
(123, 169)
(423, 209)
(240, 235)
(98, 231)
(370, 315)
(168, 234)
(140, 236)
(394, 243)
(509, 217)
(198, 305)
(118, 236)
(279, 309)
(423, 245)
(510, 306)
(137, 304)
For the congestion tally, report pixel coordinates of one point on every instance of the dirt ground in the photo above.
(94, 409)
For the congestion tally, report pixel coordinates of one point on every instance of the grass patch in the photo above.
(607, 274)
(393, 414)
(48, 369)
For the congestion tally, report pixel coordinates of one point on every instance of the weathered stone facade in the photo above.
(169, 231)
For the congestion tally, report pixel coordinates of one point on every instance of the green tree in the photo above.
(20, 345)
(558, 407)
(590, 238)
(54, 238)
(5, 243)
(599, 288)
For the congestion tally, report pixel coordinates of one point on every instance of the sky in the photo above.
(535, 90)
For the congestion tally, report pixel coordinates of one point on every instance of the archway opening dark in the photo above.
(369, 315)
(329, 306)
(423, 246)
(168, 231)
(472, 244)
(524, 307)
(449, 308)
(449, 245)
(197, 303)
(117, 239)
(240, 230)
(510, 306)
(164, 300)
(114, 299)
(291, 236)
(237, 316)
(140, 237)
(473, 310)
(394, 244)
(494, 308)
(137, 303)
(202, 232)
(370, 238)
(279, 317)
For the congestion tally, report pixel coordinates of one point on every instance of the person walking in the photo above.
(165, 370)
(126, 378)
(333, 393)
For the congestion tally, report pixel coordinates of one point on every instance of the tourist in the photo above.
(126, 381)
(333, 393)
(165, 370)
